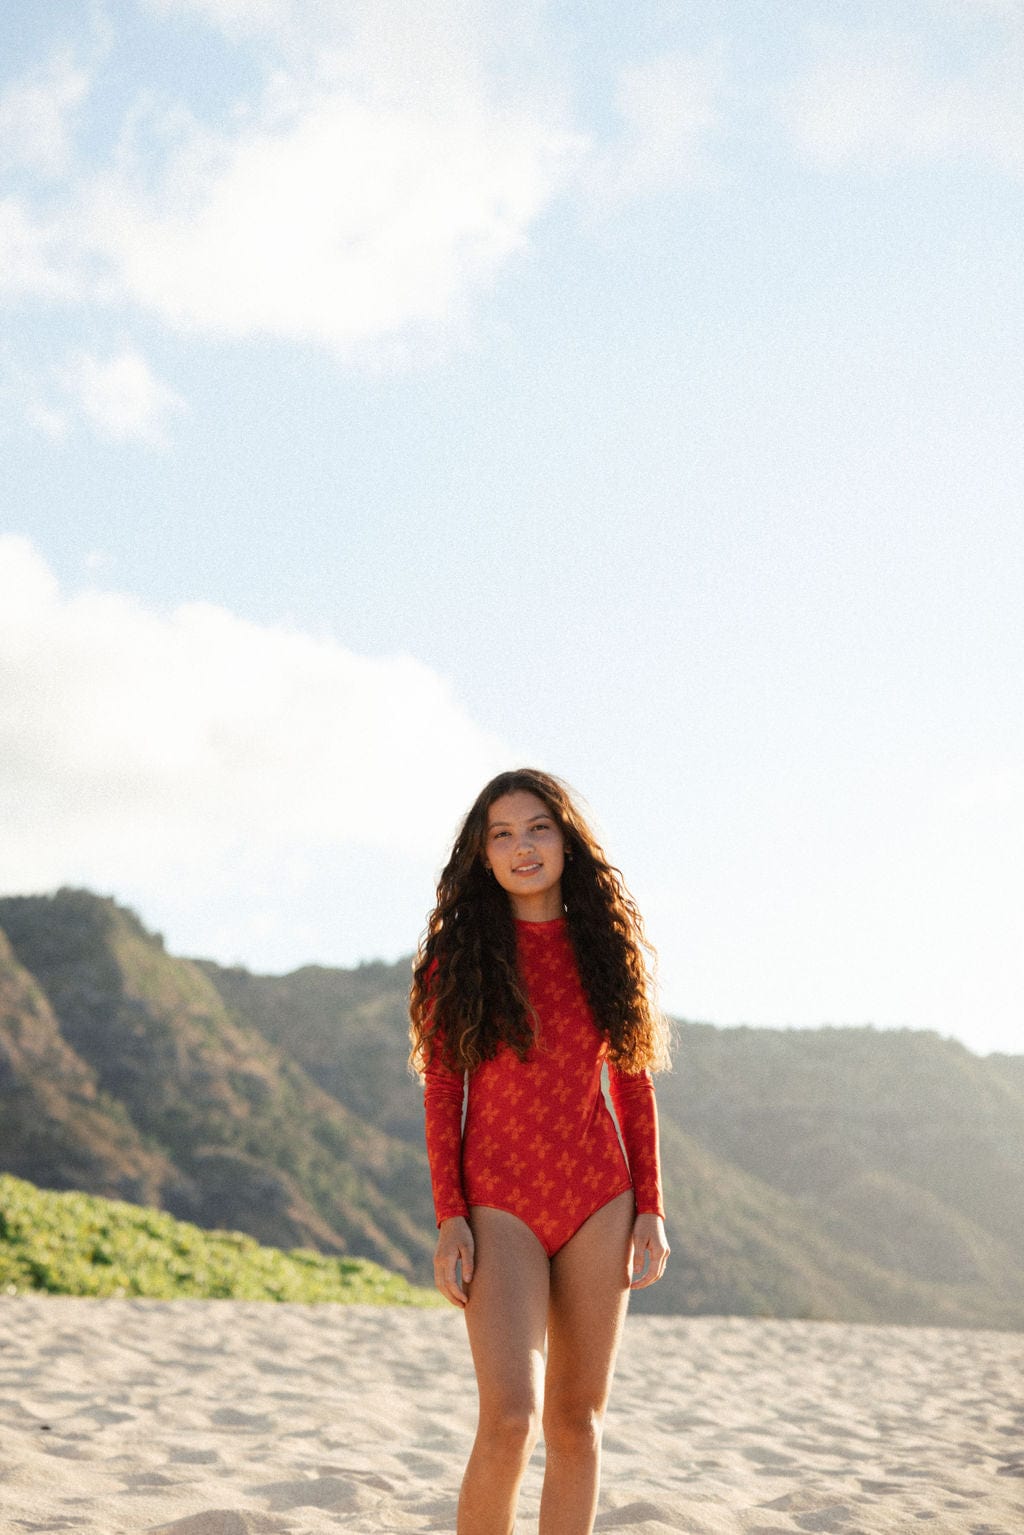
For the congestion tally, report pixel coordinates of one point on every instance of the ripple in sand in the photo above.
(190, 1455)
(224, 1521)
(230, 1417)
(837, 1519)
(331, 1492)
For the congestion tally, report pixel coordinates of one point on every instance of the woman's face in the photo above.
(524, 848)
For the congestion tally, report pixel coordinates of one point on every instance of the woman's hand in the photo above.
(649, 1252)
(454, 1245)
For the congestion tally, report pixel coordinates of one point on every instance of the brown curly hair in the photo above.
(467, 1000)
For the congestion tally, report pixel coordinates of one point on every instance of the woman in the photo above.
(532, 975)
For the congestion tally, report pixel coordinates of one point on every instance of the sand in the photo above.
(219, 1418)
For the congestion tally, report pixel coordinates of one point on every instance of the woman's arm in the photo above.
(443, 1100)
(637, 1114)
(444, 1091)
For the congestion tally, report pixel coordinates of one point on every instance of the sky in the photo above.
(392, 394)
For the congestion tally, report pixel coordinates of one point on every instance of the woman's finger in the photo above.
(448, 1285)
(466, 1253)
(656, 1254)
(637, 1261)
(446, 1280)
(450, 1253)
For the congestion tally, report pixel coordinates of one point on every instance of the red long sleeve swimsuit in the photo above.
(538, 1140)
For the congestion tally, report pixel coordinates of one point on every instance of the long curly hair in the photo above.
(467, 1000)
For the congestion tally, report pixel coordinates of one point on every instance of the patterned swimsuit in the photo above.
(538, 1140)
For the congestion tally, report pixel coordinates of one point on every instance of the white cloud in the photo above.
(380, 181)
(45, 418)
(120, 396)
(395, 43)
(38, 254)
(348, 222)
(667, 106)
(996, 791)
(873, 98)
(237, 18)
(139, 749)
(36, 118)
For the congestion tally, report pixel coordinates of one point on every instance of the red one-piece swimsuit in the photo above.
(538, 1140)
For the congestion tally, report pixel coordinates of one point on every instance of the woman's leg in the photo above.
(589, 1296)
(506, 1316)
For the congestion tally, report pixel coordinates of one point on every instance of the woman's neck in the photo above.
(545, 906)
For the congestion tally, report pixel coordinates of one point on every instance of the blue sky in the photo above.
(392, 394)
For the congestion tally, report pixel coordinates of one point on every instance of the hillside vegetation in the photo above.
(846, 1173)
(128, 1075)
(79, 1244)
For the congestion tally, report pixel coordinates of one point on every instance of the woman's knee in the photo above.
(511, 1425)
(573, 1428)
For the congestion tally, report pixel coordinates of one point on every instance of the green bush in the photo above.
(78, 1244)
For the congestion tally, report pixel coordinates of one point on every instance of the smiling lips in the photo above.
(526, 868)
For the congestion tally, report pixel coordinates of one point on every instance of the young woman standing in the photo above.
(530, 977)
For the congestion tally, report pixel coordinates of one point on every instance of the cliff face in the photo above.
(246, 1137)
(847, 1173)
(56, 1126)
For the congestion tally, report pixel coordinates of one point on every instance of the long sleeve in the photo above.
(637, 1113)
(442, 1103)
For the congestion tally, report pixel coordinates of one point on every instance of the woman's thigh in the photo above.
(589, 1296)
(507, 1311)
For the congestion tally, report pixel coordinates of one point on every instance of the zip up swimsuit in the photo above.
(539, 1141)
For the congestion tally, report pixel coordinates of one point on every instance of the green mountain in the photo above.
(246, 1137)
(882, 1172)
(55, 1124)
(847, 1173)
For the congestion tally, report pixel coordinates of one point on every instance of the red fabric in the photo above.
(539, 1141)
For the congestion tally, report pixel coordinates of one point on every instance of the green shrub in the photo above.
(78, 1244)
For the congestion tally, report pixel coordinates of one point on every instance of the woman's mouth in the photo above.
(526, 868)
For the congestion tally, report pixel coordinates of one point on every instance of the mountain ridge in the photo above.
(856, 1174)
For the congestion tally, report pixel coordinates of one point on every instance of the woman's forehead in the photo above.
(520, 805)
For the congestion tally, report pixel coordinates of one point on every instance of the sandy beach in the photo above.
(217, 1418)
